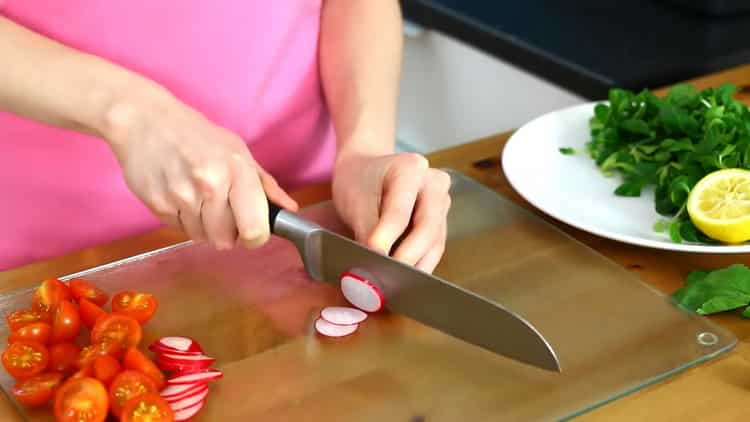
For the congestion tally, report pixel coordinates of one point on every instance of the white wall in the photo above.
(452, 94)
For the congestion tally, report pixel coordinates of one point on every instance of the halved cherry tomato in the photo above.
(39, 332)
(90, 312)
(137, 361)
(83, 289)
(24, 359)
(67, 322)
(140, 306)
(81, 400)
(121, 328)
(63, 357)
(147, 408)
(125, 386)
(105, 347)
(19, 319)
(49, 295)
(105, 368)
(37, 390)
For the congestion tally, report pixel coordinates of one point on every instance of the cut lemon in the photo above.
(719, 205)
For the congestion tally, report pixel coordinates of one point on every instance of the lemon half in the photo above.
(719, 205)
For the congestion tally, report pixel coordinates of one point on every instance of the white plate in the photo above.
(571, 188)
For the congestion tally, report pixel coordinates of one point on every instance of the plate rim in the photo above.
(512, 143)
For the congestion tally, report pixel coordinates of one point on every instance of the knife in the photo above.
(416, 294)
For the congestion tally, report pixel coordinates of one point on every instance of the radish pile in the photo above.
(187, 386)
(341, 321)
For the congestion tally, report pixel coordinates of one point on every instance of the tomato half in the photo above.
(121, 328)
(125, 386)
(140, 306)
(19, 319)
(38, 332)
(67, 322)
(24, 359)
(37, 390)
(49, 295)
(83, 289)
(106, 368)
(137, 361)
(147, 408)
(90, 312)
(81, 400)
(91, 352)
(63, 357)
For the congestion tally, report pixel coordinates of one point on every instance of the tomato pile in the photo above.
(85, 381)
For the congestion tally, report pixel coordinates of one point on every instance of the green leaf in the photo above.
(683, 95)
(723, 303)
(567, 151)
(674, 232)
(661, 226)
(629, 189)
(638, 127)
(709, 291)
(696, 276)
(746, 312)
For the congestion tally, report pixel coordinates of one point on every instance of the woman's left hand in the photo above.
(382, 197)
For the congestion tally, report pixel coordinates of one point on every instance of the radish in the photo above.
(332, 330)
(179, 391)
(196, 389)
(195, 377)
(342, 315)
(186, 358)
(361, 292)
(188, 412)
(189, 401)
(180, 344)
(184, 367)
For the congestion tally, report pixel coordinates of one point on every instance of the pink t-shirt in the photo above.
(249, 65)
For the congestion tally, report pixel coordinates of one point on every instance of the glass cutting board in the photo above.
(253, 311)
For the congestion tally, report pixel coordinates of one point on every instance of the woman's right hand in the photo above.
(192, 173)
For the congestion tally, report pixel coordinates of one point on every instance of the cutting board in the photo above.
(253, 311)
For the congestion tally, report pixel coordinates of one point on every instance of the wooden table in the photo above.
(716, 391)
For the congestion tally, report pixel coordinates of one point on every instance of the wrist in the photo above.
(365, 144)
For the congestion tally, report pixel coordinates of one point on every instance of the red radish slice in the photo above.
(182, 368)
(189, 401)
(189, 393)
(189, 412)
(177, 391)
(182, 344)
(361, 293)
(177, 363)
(342, 315)
(195, 378)
(332, 330)
(161, 350)
(186, 358)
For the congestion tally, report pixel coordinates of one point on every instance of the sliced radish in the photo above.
(160, 350)
(199, 389)
(183, 364)
(189, 412)
(342, 315)
(182, 344)
(361, 292)
(186, 358)
(189, 401)
(177, 391)
(195, 378)
(332, 330)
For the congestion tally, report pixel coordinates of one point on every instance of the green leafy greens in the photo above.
(670, 143)
(709, 292)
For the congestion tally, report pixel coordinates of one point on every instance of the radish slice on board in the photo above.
(183, 367)
(332, 330)
(361, 292)
(188, 413)
(195, 378)
(189, 401)
(182, 344)
(180, 391)
(342, 315)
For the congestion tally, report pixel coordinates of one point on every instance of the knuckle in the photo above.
(184, 195)
(415, 161)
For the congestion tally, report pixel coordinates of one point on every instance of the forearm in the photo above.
(360, 60)
(48, 82)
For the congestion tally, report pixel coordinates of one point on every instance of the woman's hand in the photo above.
(383, 197)
(193, 174)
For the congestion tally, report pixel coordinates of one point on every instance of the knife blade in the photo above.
(409, 291)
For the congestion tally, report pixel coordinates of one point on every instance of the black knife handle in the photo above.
(273, 212)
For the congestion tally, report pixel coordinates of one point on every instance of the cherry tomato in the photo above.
(63, 357)
(121, 328)
(67, 322)
(125, 386)
(38, 332)
(86, 372)
(19, 319)
(137, 361)
(24, 359)
(90, 312)
(91, 352)
(49, 295)
(83, 289)
(147, 408)
(140, 306)
(105, 368)
(81, 400)
(37, 390)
